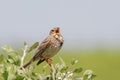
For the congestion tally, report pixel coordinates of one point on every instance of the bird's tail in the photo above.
(26, 64)
(40, 61)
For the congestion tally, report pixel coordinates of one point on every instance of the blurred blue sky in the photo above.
(85, 23)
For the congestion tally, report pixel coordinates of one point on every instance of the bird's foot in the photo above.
(49, 61)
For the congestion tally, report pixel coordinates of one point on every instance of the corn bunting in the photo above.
(48, 48)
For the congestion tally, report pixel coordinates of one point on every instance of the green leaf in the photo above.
(74, 62)
(64, 69)
(25, 43)
(93, 76)
(88, 75)
(78, 70)
(34, 74)
(10, 57)
(7, 48)
(33, 46)
(17, 62)
(18, 77)
(14, 58)
(5, 75)
(10, 61)
(11, 77)
(1, 58)
(88, 72)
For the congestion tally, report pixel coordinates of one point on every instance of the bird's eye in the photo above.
(52, 30)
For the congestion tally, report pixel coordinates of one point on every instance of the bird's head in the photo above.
(55, 31)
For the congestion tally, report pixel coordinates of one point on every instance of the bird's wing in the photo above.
(44, 45)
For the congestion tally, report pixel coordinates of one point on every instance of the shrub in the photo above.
(11, 62)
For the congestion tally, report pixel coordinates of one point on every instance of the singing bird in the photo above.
(48, 48)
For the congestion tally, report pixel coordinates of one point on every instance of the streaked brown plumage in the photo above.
(48, 48)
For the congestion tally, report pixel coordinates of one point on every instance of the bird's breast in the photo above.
(52, 50)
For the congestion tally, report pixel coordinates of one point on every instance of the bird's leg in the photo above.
(49, 61)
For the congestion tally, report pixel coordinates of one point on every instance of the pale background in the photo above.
(84, 23)
(91, 25)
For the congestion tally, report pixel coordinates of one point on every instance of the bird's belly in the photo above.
(51, 51)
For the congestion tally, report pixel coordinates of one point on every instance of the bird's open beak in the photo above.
(57, 30)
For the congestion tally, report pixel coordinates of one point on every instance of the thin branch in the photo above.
(53, 72)
(24, 54)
